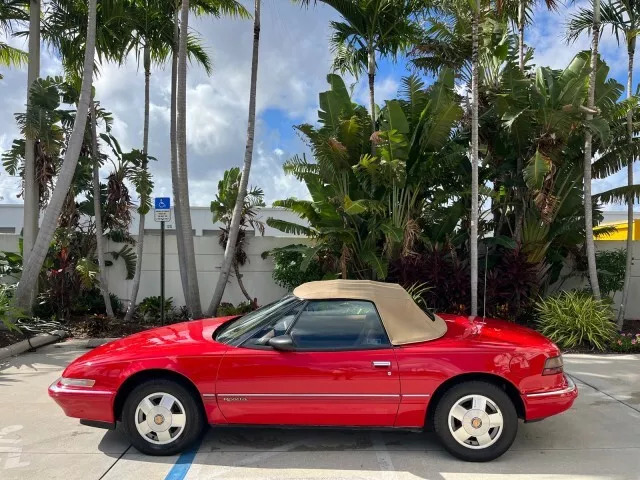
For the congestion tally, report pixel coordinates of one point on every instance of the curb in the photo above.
(33, 342)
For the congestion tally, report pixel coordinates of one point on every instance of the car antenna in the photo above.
(484, 288)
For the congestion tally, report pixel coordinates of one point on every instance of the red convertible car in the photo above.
(335, 353)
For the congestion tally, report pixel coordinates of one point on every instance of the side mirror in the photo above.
(283, 343)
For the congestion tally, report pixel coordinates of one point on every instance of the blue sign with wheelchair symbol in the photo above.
(162, 203)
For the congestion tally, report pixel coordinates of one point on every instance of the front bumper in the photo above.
(85, 403)
(539, 405)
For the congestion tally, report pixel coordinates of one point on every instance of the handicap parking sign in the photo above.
(162, 203)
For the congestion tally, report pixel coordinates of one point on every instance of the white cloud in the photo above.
(294, 60)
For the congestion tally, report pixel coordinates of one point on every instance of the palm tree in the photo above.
(623, 16)
(524, 7)
(32, 267)
(222, 208)
(31, 192)
(234, 227)
(142, 209)
(588, 138)
(154, 29)
(97, 208)
(175, 178)
(179, 173)
(192, 296)
(474, 158)
(64, 30)
(369, 29)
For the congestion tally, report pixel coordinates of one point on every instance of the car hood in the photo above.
(176, 339)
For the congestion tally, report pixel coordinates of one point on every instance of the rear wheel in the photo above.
(162, 417)
(476, 421)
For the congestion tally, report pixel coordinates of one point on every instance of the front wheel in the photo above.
(162, 417)
(476, 421)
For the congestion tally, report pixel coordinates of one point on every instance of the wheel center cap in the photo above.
(158, 419)
(476, 422)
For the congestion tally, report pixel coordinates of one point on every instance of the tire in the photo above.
(162, 417)
(460, 412)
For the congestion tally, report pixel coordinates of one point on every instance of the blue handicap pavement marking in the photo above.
(183, 464)
(162, 203)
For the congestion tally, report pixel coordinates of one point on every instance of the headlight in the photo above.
(553, 366)
(77, 382)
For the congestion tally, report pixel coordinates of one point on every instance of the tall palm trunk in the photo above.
(519, 208)
(236, 270)
(588, 212)
(175, 179)
(31, 270)
(135, 287)
(474, 161)
(31, 194)
(97, 209)
(372, 93)
(193, 297)
(521, 34)
(631, 50)
(229, 251)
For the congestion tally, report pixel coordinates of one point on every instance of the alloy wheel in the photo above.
(160, 418)
(475, 421)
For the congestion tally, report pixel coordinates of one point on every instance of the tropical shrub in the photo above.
(441, 269)
(149, 308)
(222, 208)
(611, 268)
(288, 265)
(368, 190)
(573, 319)
(181, 314)
(90, 302)
(227, 309)
(6, 311)
(417, 292)
(10, 265)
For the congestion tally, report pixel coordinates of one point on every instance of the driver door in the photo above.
(342, 372)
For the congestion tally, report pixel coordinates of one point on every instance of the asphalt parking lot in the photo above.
(599, 438)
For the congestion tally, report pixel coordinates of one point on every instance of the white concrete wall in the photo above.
(11, 218)
(256, 273)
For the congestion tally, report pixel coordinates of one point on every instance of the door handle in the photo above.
(381, 364)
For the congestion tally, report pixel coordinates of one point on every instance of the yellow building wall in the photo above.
(620, 232)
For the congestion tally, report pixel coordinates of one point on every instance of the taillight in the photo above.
(553, 366)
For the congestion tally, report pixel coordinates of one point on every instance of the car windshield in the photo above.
(237, 331)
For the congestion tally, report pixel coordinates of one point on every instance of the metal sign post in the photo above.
(162, 213)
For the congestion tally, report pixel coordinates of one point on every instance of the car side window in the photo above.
(339, 325)
(278, 325)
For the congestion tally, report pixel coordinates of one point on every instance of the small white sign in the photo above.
(162, 215)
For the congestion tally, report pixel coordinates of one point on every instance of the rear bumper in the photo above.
(539, 405)
(85, 403)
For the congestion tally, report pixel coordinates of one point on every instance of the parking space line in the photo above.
(383, 456)
(259, 456)
(114, 463)
(183, 464)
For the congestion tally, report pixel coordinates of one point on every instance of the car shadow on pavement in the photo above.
(282, 453)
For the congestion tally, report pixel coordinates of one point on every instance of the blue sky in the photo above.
(294, 60)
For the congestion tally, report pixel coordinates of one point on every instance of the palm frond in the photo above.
(619, 195)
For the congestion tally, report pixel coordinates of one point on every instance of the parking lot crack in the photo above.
(605, 393)
(114, 463)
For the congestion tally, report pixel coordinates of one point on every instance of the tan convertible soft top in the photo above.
(404, 321)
